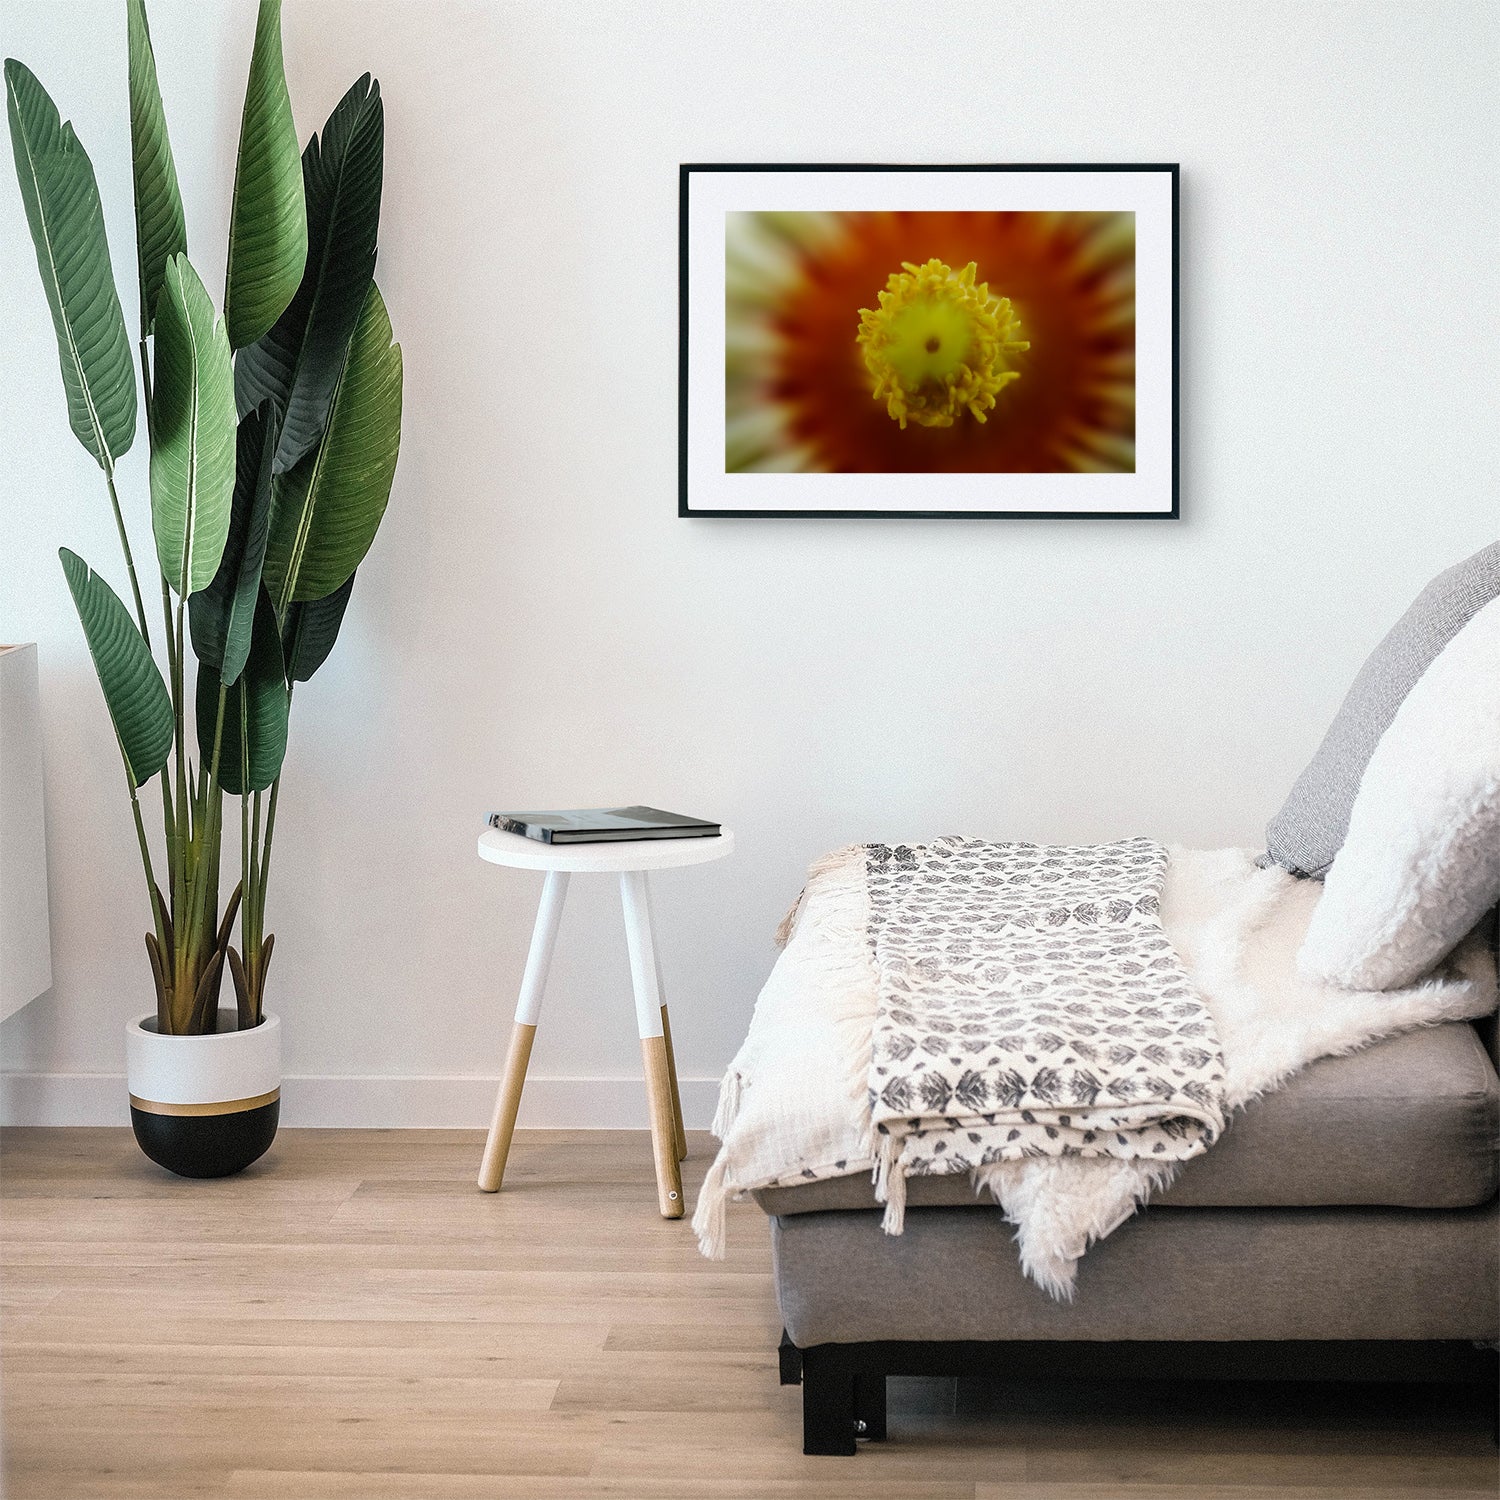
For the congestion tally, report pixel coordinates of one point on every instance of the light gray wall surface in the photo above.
(536, 627)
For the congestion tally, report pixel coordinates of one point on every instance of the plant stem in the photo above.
(255, 846)
(264, 876)
(135, 588)
(163, 1020)
(265, 852)
(252, 929)
(254, 958)
(247, 889)
(208, 806)
(185, 836)
(140, 834)
(168, 818)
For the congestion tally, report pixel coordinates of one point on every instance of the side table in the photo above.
(631, 860)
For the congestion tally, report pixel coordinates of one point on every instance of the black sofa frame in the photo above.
(843, 1385)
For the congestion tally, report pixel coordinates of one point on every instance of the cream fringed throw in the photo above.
(795, 1105)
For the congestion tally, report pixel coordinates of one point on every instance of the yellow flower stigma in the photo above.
(937, 345)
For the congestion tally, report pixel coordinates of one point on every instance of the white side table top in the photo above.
(501, 848)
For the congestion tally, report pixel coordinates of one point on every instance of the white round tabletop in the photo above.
(501, 848)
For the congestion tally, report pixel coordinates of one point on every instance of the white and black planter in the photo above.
(204, 1106)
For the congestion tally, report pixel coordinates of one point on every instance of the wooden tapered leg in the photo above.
(666, 1031)
(663, 1132)
(528, 1010)
(507, 1102)
(649, 1016)
(679, 1130)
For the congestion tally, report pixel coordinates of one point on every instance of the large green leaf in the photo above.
(310, 629)
(222, 614)
(257, 703)
(72, 253)
(297, 363)
(268, 222)
(160, 229)
(192, 432)
(325, 513)
(133, 690)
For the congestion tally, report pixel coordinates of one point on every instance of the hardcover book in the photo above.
(602, 825)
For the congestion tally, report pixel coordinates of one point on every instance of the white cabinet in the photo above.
(25, 935)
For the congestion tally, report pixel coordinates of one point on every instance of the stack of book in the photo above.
(602, 825)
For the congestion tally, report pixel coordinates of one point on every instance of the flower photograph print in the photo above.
(933, 341)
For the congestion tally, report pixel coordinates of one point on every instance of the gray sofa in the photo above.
(1346, 1225)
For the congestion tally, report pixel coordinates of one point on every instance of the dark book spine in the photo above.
(526, 830)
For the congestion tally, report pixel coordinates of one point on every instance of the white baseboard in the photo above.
(461, 1101)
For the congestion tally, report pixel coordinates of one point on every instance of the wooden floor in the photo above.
(352, 1318)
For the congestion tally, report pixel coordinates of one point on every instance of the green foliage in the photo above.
(252, 734)
(160, 229)
(72, 254)
(325, 513)
(268, 223)
(310, 630)
(192, 432)
(298, 363)
(134, 693)
(222, 615)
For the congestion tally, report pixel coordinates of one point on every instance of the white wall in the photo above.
(535, 626)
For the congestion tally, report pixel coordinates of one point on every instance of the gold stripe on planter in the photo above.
(218, 1107)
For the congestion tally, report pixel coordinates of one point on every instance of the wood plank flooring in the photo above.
(352, 1318)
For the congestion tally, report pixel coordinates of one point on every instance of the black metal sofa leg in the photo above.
(828, 1401)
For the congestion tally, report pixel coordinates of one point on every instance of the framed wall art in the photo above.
(928, 341)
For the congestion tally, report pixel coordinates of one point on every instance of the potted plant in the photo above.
(273, 431)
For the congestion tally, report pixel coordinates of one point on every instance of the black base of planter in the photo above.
(206, 1145)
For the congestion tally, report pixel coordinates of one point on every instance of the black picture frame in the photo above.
(685, 415)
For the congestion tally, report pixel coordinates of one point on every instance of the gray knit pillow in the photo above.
(1309, 830)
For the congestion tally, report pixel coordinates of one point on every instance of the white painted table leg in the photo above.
(635, 899)
(528, 1010)
(679, 1129)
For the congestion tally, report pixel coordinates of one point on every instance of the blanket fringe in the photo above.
(889, 1178)
(712, 1209)
(729, 1104)
(825, 864)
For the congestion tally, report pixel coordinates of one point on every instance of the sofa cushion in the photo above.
(1310, 828)
(1205, 1273)
(1421, 863)
(1411, 1122)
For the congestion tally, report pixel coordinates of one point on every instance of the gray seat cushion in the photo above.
(1408, 1123)
(1204, 1273)
(1309, 830)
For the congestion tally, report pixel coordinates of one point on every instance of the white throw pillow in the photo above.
(1421, 863)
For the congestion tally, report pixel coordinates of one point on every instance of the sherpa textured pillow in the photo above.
(1306, 834)
(1421, 863)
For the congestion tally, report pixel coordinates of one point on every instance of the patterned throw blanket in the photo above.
(1030, 1005)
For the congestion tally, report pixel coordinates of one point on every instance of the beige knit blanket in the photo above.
(795, 1105)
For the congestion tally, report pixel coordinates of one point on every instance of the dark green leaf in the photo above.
(268, 223)
(311, 629)
(192, 432)
(160, 230)
(222, 615)
(133, 690)
(297, 363)
(72, 254)
(255, 712)
(325, 513)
